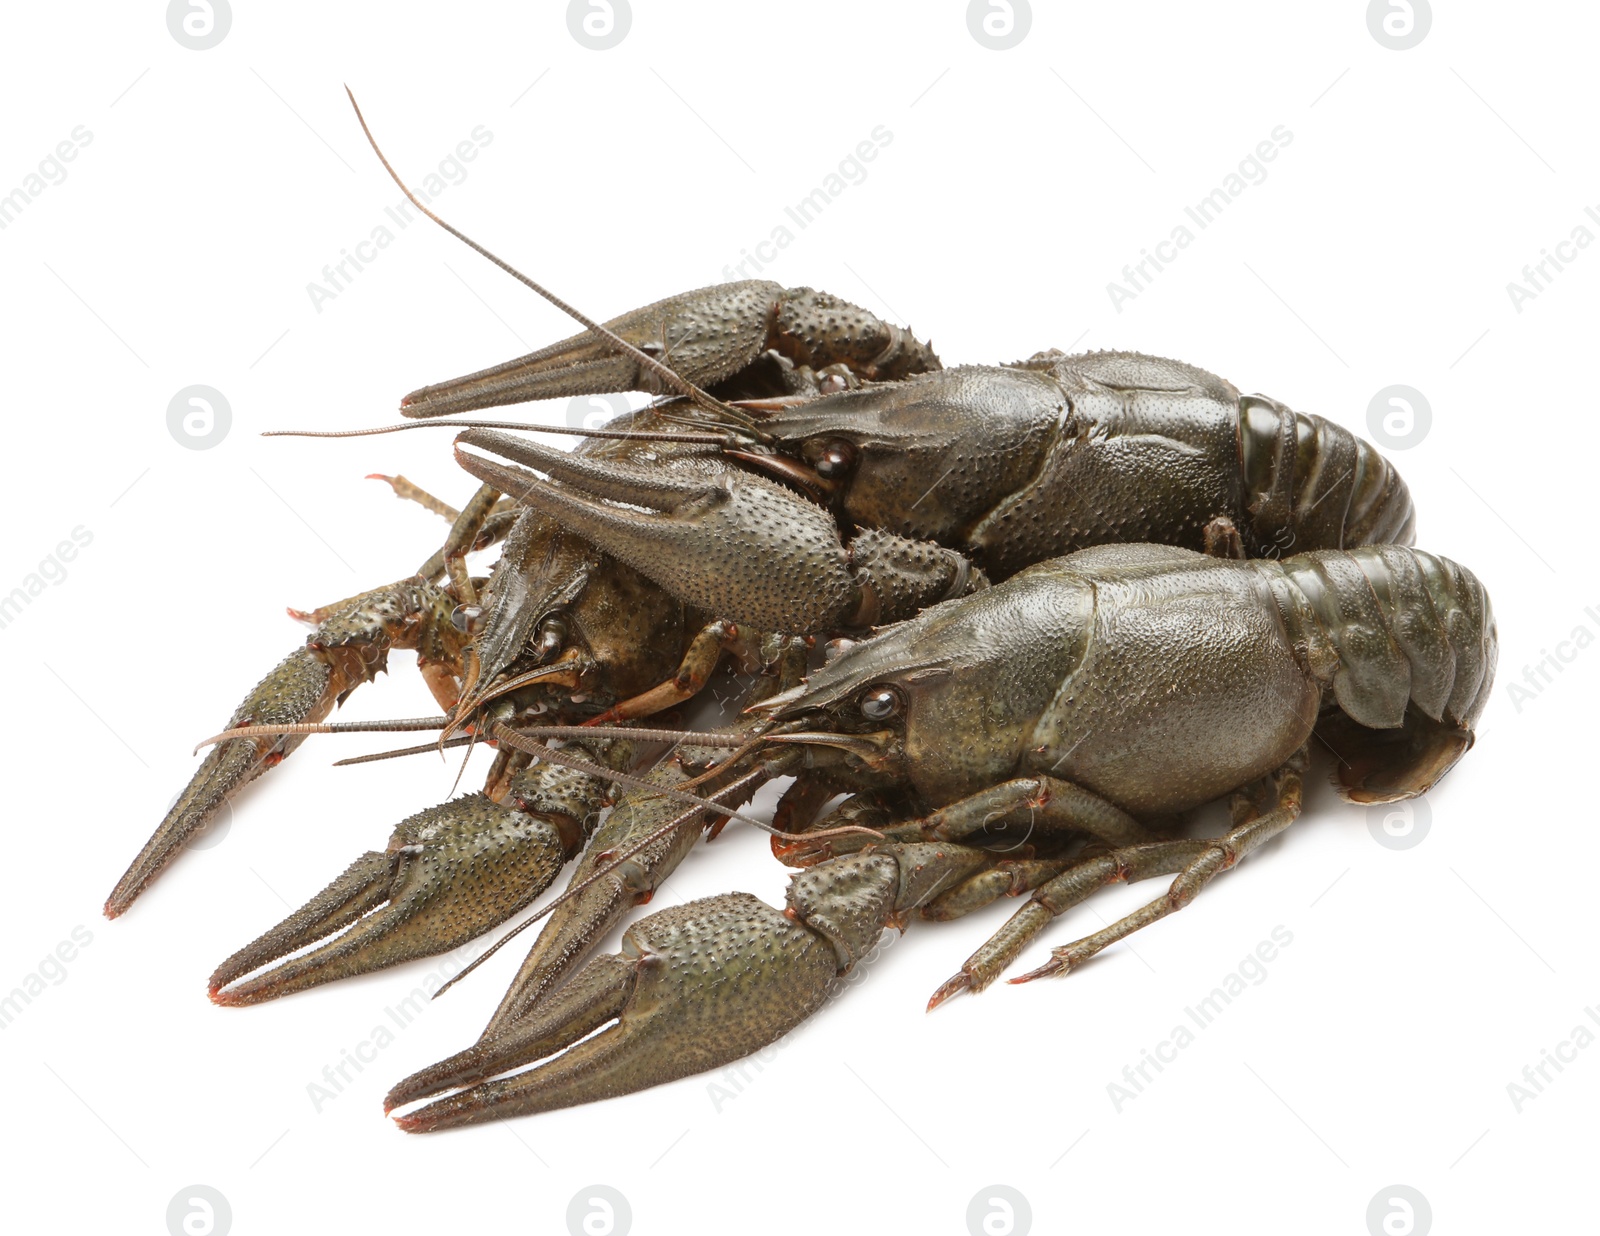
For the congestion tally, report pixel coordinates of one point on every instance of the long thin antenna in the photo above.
(689, 738)
(667, 377)
(400, 726)
(660, 834)
(636, 435)
(508, 737)
(460, 740)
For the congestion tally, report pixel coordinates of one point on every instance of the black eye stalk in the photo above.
(838, 459)
(551, 638)
(881, 703)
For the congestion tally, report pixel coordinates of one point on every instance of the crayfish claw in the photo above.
(734, 544)
(597, 995)
(704, 336)
(359, 889)
(638, 846)
(303, 687)
(576, 925)
(739, 339)
(695, 987)
(450, 873)
(349, 647)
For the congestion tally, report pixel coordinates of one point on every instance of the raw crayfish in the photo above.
(1085, 695)
(852, 483)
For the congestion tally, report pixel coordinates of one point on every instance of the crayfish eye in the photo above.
(881, 703)
(464, 618)
(837, 460)
(552, 634)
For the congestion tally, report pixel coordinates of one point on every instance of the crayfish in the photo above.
(1083, 595)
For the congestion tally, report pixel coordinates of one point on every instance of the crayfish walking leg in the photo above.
(1194, 861)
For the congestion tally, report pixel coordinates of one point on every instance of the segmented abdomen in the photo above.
(1397, 627)
(1310, 484)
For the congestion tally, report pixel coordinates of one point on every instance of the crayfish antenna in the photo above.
(490, 388)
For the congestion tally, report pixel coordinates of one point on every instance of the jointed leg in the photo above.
(463, 539)
(1222, 539)
(1259, 811)
(1077, 883)
(1052, 805)
(694, 671)
(481, 528)
(408, 491)
(1009, 877)
(1219, 854)
(865, 810)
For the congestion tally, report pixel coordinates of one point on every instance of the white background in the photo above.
(1018, 183)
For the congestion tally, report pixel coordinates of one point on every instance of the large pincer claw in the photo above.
(638, 846)
(349, 647)
(732, 339)
(607, 890)
(727, 541)
(449, 874)
(695, 987)
(303, 687)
